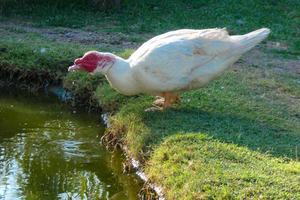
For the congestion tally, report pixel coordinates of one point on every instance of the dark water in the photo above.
(48, 151)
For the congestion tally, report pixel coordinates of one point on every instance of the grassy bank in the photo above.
(239, 137)
(233, 139)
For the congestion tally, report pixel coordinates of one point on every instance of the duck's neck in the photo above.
(121, 78)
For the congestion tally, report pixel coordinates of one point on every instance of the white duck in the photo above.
(172, 62)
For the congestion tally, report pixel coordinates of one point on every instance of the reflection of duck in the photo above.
(172, 62)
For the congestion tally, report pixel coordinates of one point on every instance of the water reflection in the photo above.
(48, 152)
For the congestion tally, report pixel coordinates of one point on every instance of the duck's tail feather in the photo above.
(249, 40)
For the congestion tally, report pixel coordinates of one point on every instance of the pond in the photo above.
(49, 151)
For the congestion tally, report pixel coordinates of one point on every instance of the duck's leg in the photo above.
(170, 98)
(175, 98)
(165, 100)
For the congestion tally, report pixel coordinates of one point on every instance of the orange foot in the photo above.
(166, 99)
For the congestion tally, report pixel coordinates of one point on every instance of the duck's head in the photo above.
(93, 61)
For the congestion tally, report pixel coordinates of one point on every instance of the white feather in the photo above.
(180, 60)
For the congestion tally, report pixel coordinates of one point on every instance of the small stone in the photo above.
(68, 35)
(43, 50)
(240, 21)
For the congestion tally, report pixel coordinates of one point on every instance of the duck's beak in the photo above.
(74, 68)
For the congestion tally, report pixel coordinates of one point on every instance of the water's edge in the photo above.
(66, 97)
(39, 131)
(137, 166)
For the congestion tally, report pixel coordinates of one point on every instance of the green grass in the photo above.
(27, 56)
(31, 51)
(156, 16)
(237, 138)
(235, 108)
(236, 113)
(225, 141)
(195, 166)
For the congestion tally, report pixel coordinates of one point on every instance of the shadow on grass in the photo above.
(254, 134)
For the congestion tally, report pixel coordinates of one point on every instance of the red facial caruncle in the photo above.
(90, 61)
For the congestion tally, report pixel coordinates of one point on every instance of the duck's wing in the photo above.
(173, 57)
(183, 35)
